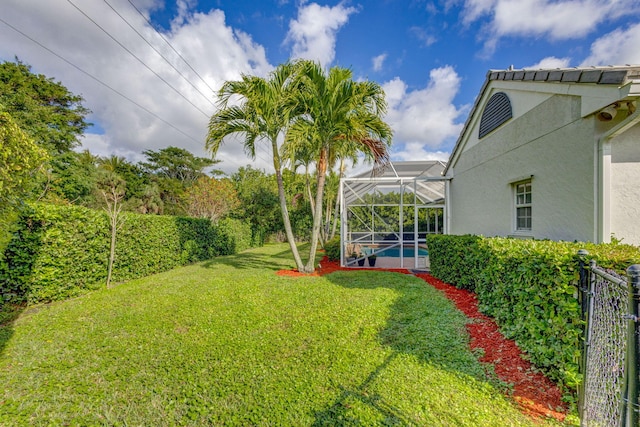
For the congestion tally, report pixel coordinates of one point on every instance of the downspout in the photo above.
(447, 207)
(603, 183)
(603, 188)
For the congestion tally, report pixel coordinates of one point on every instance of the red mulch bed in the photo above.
(535, 393)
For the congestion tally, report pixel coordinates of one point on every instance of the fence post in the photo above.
(583, 292)
(633, 348)
(583, 284)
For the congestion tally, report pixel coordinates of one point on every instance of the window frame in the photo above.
(523, 202)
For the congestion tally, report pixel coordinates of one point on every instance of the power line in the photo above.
(160, 53)
(257, 154)
(170, 45)
(139, 60)
(98, 80)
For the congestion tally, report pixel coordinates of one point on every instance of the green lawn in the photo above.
(228, 342)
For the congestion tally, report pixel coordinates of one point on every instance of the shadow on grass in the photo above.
(417, 326)
(339, 414)
(8, 314)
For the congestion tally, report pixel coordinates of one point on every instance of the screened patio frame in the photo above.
(420, 190)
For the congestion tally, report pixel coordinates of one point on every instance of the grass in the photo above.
(228, 342)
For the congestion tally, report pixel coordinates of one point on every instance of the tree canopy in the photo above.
(43, 108)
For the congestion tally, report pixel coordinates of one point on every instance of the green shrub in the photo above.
(233, 236)
(60, 251)
(529, 288)
(452, 258)
(332, 249)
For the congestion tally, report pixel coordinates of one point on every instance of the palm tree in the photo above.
(340, 116)
(261, 114)
(112, 163)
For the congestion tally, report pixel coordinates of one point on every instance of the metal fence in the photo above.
(610, 353)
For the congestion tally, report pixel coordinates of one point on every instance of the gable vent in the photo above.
(496, 112)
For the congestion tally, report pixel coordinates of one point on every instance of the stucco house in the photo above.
(550, 154)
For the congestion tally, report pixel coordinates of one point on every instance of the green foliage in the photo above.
(174, 170)
(60, 251)
(57, 252)
(42, 107)
(20, 160)
(332, 249)
(72, 177)
(20, 157)
(259, 203)
(529, 287)
(233, 236)
(211, 198)
(455, 259)
(228, 342)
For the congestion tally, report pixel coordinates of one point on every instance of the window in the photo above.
(523, 205)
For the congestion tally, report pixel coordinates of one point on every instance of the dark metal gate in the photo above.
(610, 353)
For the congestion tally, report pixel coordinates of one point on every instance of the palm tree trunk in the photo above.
(283, 207)
(317, 217)
(308, 185)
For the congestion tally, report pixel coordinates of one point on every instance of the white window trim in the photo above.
(514, 189)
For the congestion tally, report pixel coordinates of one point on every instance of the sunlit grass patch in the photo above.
(230, 342)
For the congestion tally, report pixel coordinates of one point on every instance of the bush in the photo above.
(529, 287)
(332, 249)
(60, 251)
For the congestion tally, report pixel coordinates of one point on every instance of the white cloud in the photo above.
(549, 62)
(215, 50)
(619, 47)
(556, 19)
(424, 120)
(422, 35)
(378, 61)
(313, 33)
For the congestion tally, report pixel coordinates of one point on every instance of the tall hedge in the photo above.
(529, 287)
(59, 251)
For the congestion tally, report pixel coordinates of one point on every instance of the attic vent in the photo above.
(496, 112)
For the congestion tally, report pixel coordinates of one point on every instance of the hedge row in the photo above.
(59, 251)
(529, 287)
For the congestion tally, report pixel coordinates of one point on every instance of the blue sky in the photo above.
(431, 57)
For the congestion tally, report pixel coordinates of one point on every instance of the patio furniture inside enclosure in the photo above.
(390, 214)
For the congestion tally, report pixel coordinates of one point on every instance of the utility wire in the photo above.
(170, 45)
(139, 60)
(160, 53)
(186, 62)
(99, 81)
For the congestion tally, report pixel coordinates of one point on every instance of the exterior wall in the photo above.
(550, 142)
(625, 186)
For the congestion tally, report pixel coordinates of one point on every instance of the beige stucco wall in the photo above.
(625, 186)
(550, 142)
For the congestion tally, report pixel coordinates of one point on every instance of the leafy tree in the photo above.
(43, 108)
(134, 175)
(177, 163)
(339, 117)
(150, 202)
(20, 159)
(173, 170)
(259, 203)
(261, 114)
(71, 176)
(211, 198)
